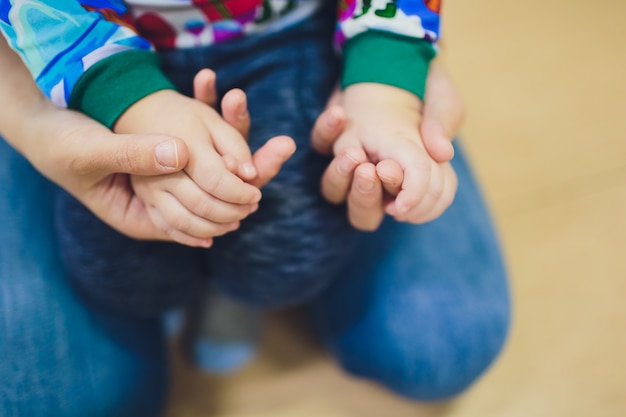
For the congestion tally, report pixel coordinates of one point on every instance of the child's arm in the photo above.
(80, 155)
(103, 68)
(387, 47)
(86, 58)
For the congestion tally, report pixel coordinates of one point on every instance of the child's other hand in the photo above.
(381, 163)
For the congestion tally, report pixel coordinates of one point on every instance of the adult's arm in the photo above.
(79, 154)
(83, 57)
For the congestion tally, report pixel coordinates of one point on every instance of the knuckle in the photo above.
(127, 158)
(214, 181)
(179, 222)
(203, 208)
(81, 165)
(436, 191)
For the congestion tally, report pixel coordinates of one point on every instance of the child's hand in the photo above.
(210, 197)
(269, 158)
(381, 150)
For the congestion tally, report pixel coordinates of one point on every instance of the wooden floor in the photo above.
(545, 85)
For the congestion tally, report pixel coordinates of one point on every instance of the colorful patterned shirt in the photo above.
(86, 53)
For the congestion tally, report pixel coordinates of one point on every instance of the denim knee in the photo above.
(429, 358)
(121, 274)
(60, 359)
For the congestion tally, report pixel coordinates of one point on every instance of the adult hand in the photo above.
(79, 154)
(367, 188)
(93, 164)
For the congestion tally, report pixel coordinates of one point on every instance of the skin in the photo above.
(393, 157)
(213, 193)
(96, 171)
(94, 164)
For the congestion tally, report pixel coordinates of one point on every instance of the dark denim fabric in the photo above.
(285, 253)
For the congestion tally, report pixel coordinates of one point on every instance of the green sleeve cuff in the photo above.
(386, 58)
(114, 84)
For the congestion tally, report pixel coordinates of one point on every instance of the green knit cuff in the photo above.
(112, 85)
(387, 58)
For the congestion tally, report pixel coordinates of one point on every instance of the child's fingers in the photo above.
(202, 204)
(416, 166)
(440, 195)
(235, 111)
(179, 222)
(443, 115)
(434, 190)
(270, 157)
(212, 175)
(175, 235)
(365, 201)
(337, 178)
(327, 129)
(204, 88)
(229, 142)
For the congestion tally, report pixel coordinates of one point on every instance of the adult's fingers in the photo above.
(204, 88)
(337, 179)
(327, 129)
(235, 111)
(365, 200)
(140, 154)
(444, 113)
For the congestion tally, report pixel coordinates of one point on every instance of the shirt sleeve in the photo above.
(388, 41)
(83, 54)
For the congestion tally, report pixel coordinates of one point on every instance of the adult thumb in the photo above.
(138, 154)
(444, 113)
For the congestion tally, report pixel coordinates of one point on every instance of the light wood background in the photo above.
(545, 87)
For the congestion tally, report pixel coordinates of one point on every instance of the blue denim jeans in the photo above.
(422, 310)
(60, 356)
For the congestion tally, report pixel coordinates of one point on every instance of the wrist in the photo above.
(376, 98)
(140, 117)
(379, 112)
(108, 88)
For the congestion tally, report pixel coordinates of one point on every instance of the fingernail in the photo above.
(402, 208)
(166, 154)
(345, 165)
(206, 243)
(332, 121)
(244, 115)
(254, 208)
(248, 169)
(365, 185)
(257, 197)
